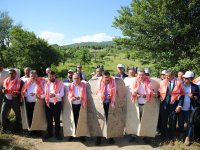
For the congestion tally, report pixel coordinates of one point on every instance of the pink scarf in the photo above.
(57, 86)
(81, 91)
(147, 88)
(39, 85)
(111, 87)
(12, 85)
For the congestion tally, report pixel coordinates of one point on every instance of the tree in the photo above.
(6, 24)
(166, 33)
(28, 50)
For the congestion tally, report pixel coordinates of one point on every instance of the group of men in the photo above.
(179, 98)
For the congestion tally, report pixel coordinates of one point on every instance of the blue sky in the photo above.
(66, 21)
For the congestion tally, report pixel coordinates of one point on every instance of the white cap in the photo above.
(120, 66)
(188, 74)
(163, 72)
(146, 70)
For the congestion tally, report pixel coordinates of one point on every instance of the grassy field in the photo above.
(109, 62)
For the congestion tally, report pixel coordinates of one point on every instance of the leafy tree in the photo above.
(165, 33)
(6, 24)
(28, 50)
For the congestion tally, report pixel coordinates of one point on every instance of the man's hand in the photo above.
(178, 109)
(52, 95)
(190, 95)
(32, 94)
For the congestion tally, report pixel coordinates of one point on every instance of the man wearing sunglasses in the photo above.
(187, 104)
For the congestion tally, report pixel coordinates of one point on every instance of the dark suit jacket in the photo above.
(193, 103)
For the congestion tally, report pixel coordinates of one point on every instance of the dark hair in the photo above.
(106, 73)
(12, 70)
(33, 71)
(52, 72)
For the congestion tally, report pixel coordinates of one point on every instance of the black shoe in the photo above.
(47, 136)
(132, 139)
(82, 139)
(71, 138)
(58, 137)
(98, 141)
(111, 141)
(31, 133)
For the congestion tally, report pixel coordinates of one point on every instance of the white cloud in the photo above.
(99, 37)
(53, 37)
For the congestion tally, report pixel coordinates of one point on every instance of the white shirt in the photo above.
(76, 94)
(31, 89)
(172, 83)
(186, 103)
(24, 78)
(58, 95)
(141, 90)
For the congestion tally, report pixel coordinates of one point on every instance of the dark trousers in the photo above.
(6, 106)
(184, 117)
(29, 109)
(168, 118)
(53, 112)
(76, 110)
(106, 109)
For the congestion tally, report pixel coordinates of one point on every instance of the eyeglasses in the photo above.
(186, 78)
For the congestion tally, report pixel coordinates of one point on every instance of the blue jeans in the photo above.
(184, 117)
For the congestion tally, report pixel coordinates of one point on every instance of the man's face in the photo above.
(76, 79)
(120, 69)
(131, 73)
(12, 75)
(52, 77)
(141, 76)
(98, 72)
(33, 76)
(187, 80)
(78, 69)
(162, 76)
(70, 75)
(180, 75)
(1, 68)
(107, 78)
(27, 71)
(48, 71)
(169, 76)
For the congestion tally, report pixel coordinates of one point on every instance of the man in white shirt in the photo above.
(54, 91)
(77, 96)
(26, 74)
(32, 90)
(187, 105)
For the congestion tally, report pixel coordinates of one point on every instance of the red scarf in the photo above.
(111, 87)
(12, 85)
(81, 91)
(57, 86)
(147, 89)
(176, 92)
(196, 81)
(39, 85)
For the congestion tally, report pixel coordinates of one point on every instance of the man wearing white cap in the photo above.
(187, 104)
(162, 75)
(120, 69)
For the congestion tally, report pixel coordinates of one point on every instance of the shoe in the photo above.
(82, 139)
(146, 140)
(71, 138)
(187, 141)
(58, 137)
(31, 133)
(98, 141)
(47, 136)
(111, 141)
(132, 139)
(171, 142)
